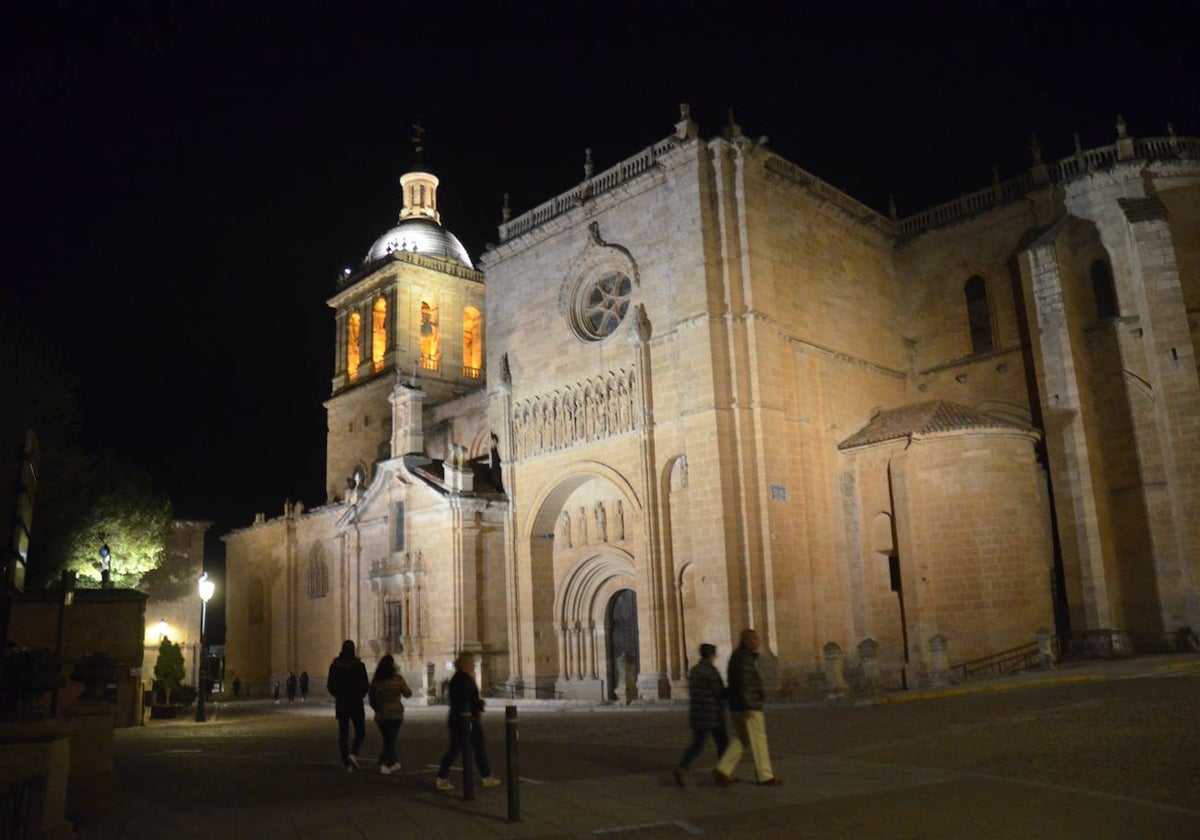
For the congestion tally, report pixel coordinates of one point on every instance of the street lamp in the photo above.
(206, 592)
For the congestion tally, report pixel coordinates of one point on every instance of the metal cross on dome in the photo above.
(418, 138)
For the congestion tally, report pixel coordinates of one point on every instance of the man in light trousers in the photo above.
(746, 708)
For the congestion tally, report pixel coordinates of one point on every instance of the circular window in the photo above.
(601, 305)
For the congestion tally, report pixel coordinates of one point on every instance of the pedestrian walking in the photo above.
(388, 688)
(275, 692)
(746, 708)
(348, 684)
(464, 698)
(237, 687)
(706, 712)
(291, 687)
(303, 686)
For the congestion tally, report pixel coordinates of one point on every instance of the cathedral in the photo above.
(704, 390)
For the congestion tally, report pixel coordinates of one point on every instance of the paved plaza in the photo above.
(1100, 750)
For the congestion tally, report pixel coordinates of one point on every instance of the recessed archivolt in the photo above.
(549, 503)
(576, 600)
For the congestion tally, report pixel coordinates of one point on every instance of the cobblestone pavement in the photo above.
(1106, 750)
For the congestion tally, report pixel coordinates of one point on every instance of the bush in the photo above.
(184, 695)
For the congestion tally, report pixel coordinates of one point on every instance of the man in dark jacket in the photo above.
(348, 683)
(465, 699)
(707, 711)
(746, 708)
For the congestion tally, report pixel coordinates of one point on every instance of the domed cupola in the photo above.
(420, 227)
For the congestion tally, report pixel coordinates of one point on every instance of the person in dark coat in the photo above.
(348, 684)
(746, 697)
(706, 714)
(291, 687)
(464, 697)
(303, 686)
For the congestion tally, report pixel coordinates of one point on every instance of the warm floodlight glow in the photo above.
(207, 587)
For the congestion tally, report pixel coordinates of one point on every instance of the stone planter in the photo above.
(96, 672)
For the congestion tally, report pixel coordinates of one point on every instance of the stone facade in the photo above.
(721, 393)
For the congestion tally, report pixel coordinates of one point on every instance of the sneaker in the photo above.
(721, 779)
(678, 774)
(352, 764)
(349, 767)
(443, 784)
(774, 781)
(385, 769)
(396, 767)
(491, 781)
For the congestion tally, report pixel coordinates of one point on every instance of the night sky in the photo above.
(182, 186)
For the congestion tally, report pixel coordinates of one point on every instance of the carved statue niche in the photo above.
(601, 523)
(583, 528)
(565, 529)
(619, 521)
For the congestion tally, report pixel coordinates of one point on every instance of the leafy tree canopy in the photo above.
(128, 516)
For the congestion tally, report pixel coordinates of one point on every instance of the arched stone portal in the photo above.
(583, 543)
(621, 626)
(584, 621)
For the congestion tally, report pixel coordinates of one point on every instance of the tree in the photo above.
(168, 670)
(128, 516)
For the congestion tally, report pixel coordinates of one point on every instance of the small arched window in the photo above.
(318, 574)
(353, 345)
(979, 315)
(472, 342)
(378, 334)
(1103, 290)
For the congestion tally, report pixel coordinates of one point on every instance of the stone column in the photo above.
(1045, 651)
(1079, 505)
(939, 661)
(408, 435)
(1171, 368)
(868, 660)
(835, 677)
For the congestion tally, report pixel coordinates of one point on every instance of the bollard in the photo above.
(468, 756)
(510, 755)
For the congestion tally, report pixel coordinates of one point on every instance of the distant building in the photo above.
(173, 600)
(721, 393)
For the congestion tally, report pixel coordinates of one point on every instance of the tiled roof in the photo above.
(923, 419)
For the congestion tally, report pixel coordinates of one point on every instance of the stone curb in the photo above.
(988, 688)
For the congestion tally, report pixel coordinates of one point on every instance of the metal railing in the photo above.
(504, 692)
(1010, 661)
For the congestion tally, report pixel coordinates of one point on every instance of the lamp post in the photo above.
(206, 592)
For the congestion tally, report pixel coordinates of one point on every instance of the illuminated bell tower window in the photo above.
(378, 334)
(472, 342)
(429, 336)
(353, 346)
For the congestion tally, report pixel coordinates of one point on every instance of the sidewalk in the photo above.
(279, 795)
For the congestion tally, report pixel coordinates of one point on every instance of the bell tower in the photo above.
(412, 313)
